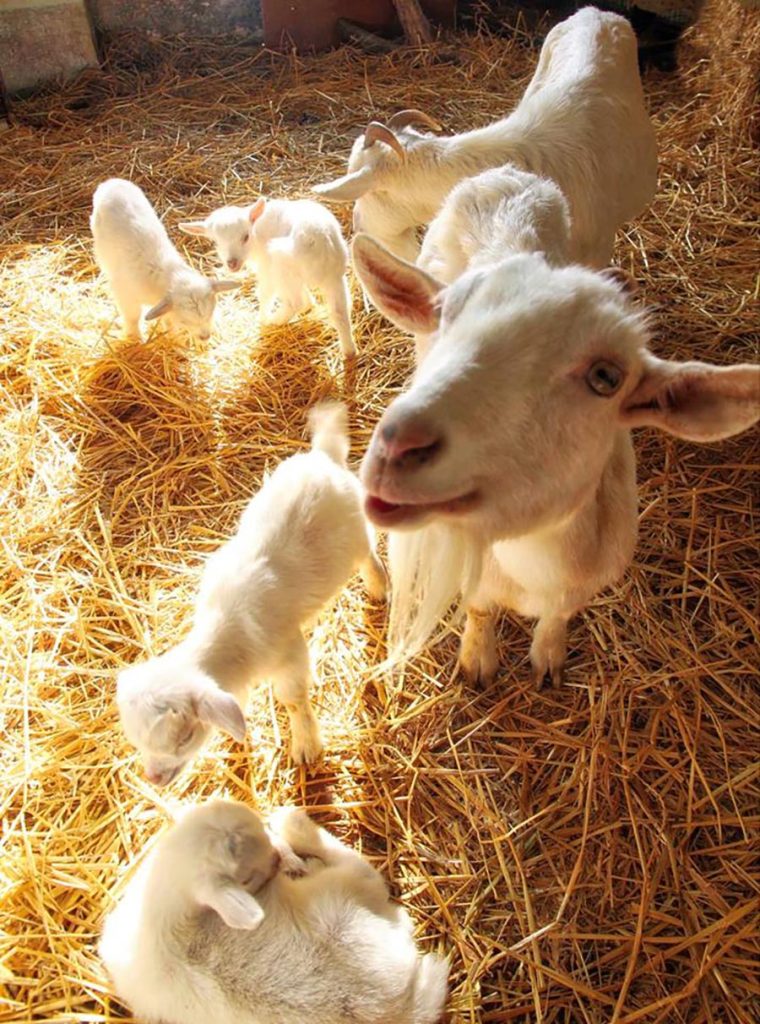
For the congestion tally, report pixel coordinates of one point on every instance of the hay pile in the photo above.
(584, 854)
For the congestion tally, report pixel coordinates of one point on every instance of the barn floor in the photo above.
(585, 855)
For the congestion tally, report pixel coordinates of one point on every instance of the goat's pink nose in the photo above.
(233, 264)
(409, 444)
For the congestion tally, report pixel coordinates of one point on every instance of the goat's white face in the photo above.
(531, 371)
(192, 308)
(167, 708)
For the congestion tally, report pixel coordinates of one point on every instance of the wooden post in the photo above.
(416, 27)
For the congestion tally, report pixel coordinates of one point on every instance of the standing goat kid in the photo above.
(142, 265)
(294, 246)
(298, 541)
(213, 928)
(509, 460)
(582, 122)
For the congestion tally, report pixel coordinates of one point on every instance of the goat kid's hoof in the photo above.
(306, 750)
(546, 678)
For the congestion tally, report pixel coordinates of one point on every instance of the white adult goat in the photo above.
(294, 245)
(582, 122)
(298, 541)
(142, 265)
(211, 929)
(510, 456)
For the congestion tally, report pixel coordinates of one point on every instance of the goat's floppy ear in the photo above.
(236, 907)
(349, 187)
(404, 293)
(224, 286)
(194, 227)
(256, 209)
(696, 401)
(215, 706)
(160, 308)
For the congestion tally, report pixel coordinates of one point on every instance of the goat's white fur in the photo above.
(523, 490)
(210, 929)
(582, 123)
(298, 541)
(142, 265)
(294, 246)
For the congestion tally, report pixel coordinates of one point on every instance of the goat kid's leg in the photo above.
(338, 299)
(291, 688)
(477, 653)
(548, 651)
(374, 576)
(130, 311)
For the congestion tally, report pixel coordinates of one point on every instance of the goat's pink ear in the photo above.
(696, 401)
(256, 210)
(405, 294)
(236, 907)
(216, 707)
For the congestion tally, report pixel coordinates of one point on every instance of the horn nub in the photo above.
(406, 117)
(377, 132)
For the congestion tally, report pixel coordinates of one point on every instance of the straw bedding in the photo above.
(585, 854)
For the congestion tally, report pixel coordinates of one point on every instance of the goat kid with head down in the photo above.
(142, 265)
(294, 246)
(582, 123)
(506, 472)
(298, 542)
(212, 927)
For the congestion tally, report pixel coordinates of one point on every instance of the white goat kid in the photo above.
(142, 265)
(213, 928)
(294, 246)
(510, 456)
(582, 122)
(298, 542)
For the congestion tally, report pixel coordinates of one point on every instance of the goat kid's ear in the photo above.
(224, 286)
(236, 907)
(405, 294)
(695, 401)
(349, 187)
(217, 707)
(256, 209)
(194, 227)
(160, 308)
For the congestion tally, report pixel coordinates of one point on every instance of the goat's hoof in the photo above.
(479, 671)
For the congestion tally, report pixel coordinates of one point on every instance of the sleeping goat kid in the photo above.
(582, 122)
(298, 542)
(213, 929)
(293, 246)
(143, 267)
(509, 459)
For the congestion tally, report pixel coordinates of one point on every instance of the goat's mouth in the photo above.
(387, 514)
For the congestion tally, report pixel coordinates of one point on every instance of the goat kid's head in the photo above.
(191, 303)
(167, 708)
(231, 229)
(511, 416)
(223, 853)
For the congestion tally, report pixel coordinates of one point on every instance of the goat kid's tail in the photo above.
(328, 422)
(431, 988)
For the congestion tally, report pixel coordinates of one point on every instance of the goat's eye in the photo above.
(245, 238)
(604, 378)
(186, 737)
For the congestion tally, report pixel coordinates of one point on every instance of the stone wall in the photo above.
(43, 41)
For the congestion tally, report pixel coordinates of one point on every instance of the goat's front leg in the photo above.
(477, 652)
(291, 688)
(548, 651)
